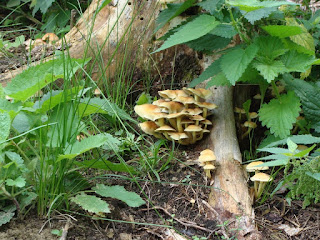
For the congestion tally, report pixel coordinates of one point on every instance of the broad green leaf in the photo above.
(297, 62)
(172, 11)
(259, 14)
(279, 162)
(18, 182)
(270, 47)
(96, 105)
(235, 62)
(85, 145)
(120, 193)
(298, 139)
(55, 97)
(293, 46)
(304, 39)
(251, 5)
(5, 217)
(91, 203)
(197, 28)
(209, 72)
(274, 150)
(106, 165)
(280, 114)
(211, 5)
(270, 70)
(5, 124)
(30, 81)
(208, 43)
(42, 5)
(282, 31)
(224, 30)
(313, 175)
(218, 80)
(9, 107)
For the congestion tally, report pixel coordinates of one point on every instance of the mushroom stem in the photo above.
(208, 173)
(256, 186)
(260, 189)
(194, 137)
(204, 112)
(179, 125)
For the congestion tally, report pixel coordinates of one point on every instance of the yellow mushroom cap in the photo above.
(148, 127)
(193, 111)
(177, 136)
(184, 100)
(165, 128)
(50, 37)
(209, 167)
(200, 92)
(207, 105)
(250, 124)
(239, 110)
(206, 151)
(172, 106)
(196, 118)
(193, 128)
(251, 167)
(253, 115)
(261, 177)
(172, 94)
(149, 111)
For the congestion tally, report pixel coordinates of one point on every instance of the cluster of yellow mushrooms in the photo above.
(179, 115)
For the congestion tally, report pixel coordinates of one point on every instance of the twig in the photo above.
(65, 230)
(223, 229)
(187, 224)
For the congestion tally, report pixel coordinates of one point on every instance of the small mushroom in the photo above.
(197, 118)
(180, 137)
(193, 129)
(252, 115)
(253, 167)
(240, 111)
(207, 169)
(206, 122)
(150, 127)
(199, 93)
(175, 120)
(260, 180)
(164, 130)
(50, 38)
(205, 107)
(250, 125)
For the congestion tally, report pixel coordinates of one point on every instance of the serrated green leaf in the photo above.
(235, 62)
(304, 39)
(30, 81)
(259, 14)
(42, 5)
(270, 70)
(106, 165)
(5, 124)
(197, 28)
(5, 217)
(293, 46)
(120, 193)
(172, 11)
(280, 114)
(91, 203)
(209, 43)
(297, 62)
(209, 72)
(224, 30)
(251, 5)
(18, 182)
(211, 5)
(218, 80)
(270, 47)
(282, 31)
(85, 145)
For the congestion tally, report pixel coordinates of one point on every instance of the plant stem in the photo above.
(234, 23)
(275, 89)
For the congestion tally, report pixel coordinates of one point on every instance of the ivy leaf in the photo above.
(197, 28)
(304, 39)
(251, 5)
(119, 192)
(270, 70)
(224, 30)
(235, 62)
(209, 43)
(258, 14)
(211, 5)
(270, 47)
(42, 5)
(282, 31)
(209, 72)
(172, 11)
(280, 114)
(297, 62)
(91, 203)
(30, 81)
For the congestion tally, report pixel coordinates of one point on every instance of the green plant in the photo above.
(272, 42)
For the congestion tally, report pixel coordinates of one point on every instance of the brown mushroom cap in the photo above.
(193, 111)
(148, 127)
(37, 42)
(172, 94)
(172, 106)
(209, 167)
(198, 92)
(184, 100)
(165, 128)
(50, 37)
(261, 177)
(253, 115)
(149, 111)
(193, 128)
(251, 167)
(239, 110)
(206, 151)
(178, 136)
(159, 101)
(250, 124)
(207, 105)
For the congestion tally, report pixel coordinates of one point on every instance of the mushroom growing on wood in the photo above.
(206, 160)
(260, 180)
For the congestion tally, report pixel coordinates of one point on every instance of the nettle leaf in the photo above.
(309, 96)
(224, 30)
(259, 14)
(197, 28)
(293, 46)
(282, 31)
(91, 203)
(270, 70)
(30, 81)
(235, 62)
(5, 124)
(219, 80)
(5, 217)
(297, 62)
(119, 192)
(209, 43)
(211, 5)
(304, 39)
(209, 72)
(270, 47)
(251, 5)
(172, 11)
(280, 114)
(85, 145)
